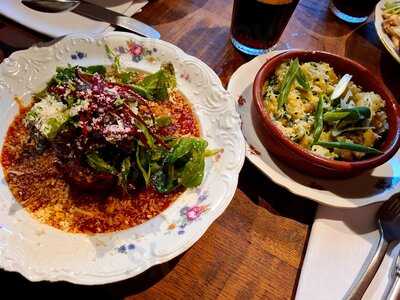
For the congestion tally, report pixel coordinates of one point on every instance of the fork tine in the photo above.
(397, 209)
(394, 207)
(388, 206)
(391, 203)
(396, 203)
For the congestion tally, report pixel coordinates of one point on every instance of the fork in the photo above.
(394, 292)
(388, 219)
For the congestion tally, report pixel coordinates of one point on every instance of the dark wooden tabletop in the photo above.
(255, 249)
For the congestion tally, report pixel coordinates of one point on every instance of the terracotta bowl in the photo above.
(302, 159)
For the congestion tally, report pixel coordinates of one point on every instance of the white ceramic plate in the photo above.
(385, 39)
(368, 188)
(40, 252)
(60, 24)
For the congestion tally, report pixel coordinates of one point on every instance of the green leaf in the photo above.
(116, 66)
(125, 170)
(53, 126)
(64, 74)
(169, 71)
(126, 77)
(183, 165)
(96, 162)
(349, 146)
(149, 138)
(165, 182)
(142, 91)
(141, 162)
(163, 121)
(192, 150)
(156, 86)
(99, 69)
(287, 82)
(110, 52)
(212, 152)
(193, 172)
(184, 146)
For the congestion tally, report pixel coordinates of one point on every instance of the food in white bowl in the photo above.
(104, 148)
(391, 22)
(113, 255)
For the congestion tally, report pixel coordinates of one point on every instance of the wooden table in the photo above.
(255, 249)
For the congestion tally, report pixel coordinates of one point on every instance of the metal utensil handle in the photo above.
(394, 293)
(361, 286)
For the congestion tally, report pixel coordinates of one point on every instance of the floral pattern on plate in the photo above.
(26, 244)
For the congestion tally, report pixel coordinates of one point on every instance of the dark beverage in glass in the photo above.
(353, 11)
(258, 24)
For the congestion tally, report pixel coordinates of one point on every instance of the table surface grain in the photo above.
(255, 249)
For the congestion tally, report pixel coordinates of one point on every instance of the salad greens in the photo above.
(153, 87)
(100, 118)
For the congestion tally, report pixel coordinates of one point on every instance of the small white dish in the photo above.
(376, 186)
(385, 39)
(60, 24)
(40, 252)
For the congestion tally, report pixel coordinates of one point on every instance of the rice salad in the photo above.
(325, 113)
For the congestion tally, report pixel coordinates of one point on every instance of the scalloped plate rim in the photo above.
(383, 37)
(223, 204)
(279, 179)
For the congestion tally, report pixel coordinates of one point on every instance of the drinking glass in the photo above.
(353, 11)
(258, 24)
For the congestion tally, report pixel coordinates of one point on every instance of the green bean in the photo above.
(349, 146)
(287, 82)
(302, 80)
(319, 120)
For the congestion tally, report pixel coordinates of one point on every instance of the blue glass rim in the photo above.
(345, 17)
(246, 49)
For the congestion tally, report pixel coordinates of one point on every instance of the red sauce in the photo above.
(38, 185)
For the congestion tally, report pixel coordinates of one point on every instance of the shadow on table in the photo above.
(16, 285)
(263, 192)
(390, 70)
(364, 42)
(364, 185)
(319, 20)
